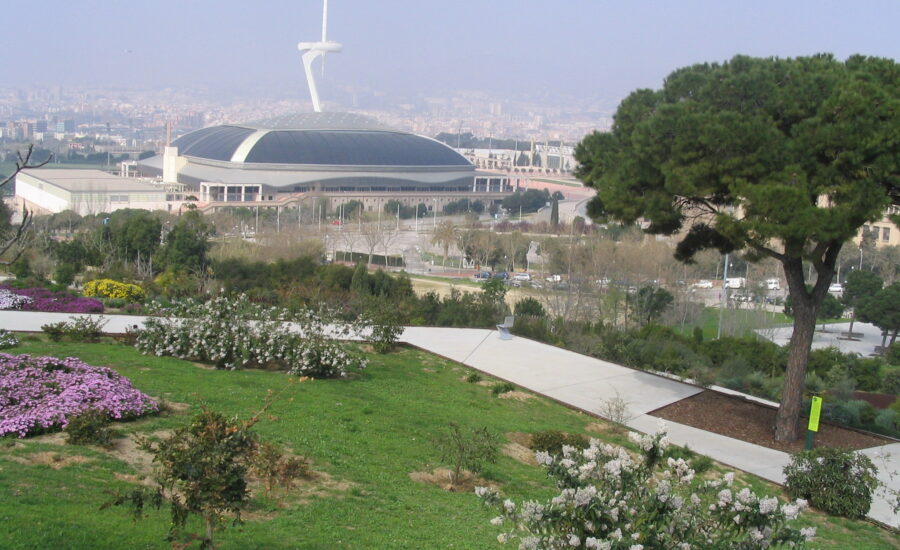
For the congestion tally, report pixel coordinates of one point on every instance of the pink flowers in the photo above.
(37, 394)
(41, 299)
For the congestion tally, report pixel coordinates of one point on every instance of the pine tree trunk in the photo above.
(787, 426)
(805, 305)
(209, 532)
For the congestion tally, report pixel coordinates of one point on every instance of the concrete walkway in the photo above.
(867, 337)
(578, 381)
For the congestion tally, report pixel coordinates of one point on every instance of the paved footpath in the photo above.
(578, 381)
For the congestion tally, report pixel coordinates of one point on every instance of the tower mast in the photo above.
(312, 50)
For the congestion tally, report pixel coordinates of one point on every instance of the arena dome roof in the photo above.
(324, 139)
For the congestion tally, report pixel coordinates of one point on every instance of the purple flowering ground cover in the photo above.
(42, 299)
(37, 394)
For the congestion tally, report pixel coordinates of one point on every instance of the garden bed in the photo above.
(753, 422)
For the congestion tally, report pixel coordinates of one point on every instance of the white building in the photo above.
(49, 191)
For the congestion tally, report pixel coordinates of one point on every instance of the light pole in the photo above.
(724, 297)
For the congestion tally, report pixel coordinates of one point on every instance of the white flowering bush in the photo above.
(235, 333)
(11, 300)
(838, 481)
(8, 339)
(612, 501)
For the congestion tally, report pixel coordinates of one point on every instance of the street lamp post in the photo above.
(724, 301)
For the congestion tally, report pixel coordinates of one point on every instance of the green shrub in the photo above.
(468, 449)
(814, 383)
(274, 467)
(502, 387)
(79, 329)
(55, 331)
(837, 481)
(892, 354)
(90, 427)
(699, 463)
(114, 302)
(529, 306)
(384, 322)
(552, 441)
(473, 378)
(702, 376)
(887, 420)
(890, 384)
(65, 274)
(698, 335)
(867, 373)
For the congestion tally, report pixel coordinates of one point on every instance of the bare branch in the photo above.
(23, 162)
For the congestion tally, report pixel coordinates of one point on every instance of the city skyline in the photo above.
(553, 53)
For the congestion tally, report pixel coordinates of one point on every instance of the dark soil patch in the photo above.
(754, 423)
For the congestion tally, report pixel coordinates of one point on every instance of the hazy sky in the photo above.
(594, 48)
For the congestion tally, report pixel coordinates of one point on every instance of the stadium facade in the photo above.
(339, 157)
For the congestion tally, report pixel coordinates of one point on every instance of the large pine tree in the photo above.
(779, 158)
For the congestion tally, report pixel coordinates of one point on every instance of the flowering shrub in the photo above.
(610, 501)
(7, 339)
(11, 300)
(38, 394)
(837, 481)
(236, 333)
(108, 288)
(41, 299)
(320, 357)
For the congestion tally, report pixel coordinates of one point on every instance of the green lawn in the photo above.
(740, 322)
(368, 433)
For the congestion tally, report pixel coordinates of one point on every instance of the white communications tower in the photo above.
(312, 50)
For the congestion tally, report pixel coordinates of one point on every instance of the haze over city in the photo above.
(554, 53)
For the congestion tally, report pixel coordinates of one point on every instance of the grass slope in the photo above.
(368, 433)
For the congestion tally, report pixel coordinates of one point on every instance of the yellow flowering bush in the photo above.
(109, 288)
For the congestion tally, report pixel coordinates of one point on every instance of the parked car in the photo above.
(836, 288)
(703, 284)
(773, 284)
(501, 275)
(483, 275)
(522, 277)
(554, 278)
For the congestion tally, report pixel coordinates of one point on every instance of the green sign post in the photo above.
(815, 411)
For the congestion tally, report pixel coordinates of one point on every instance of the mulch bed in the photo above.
(754, 423)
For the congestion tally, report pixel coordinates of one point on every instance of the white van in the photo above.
(735, 282)
(773, 284)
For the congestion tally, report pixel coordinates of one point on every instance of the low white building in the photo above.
(49, 191)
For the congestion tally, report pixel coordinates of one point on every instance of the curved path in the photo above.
(575, 380)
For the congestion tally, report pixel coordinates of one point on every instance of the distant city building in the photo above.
(883, 232)
(339, 156)
(49, 191)
(65, 127)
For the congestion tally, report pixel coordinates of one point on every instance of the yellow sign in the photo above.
(814, 412)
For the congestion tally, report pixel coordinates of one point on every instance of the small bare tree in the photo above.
(468, 450)
(13, 237)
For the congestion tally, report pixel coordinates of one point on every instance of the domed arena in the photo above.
(341, 156)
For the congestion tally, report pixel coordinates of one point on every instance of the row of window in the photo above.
(874, 229)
